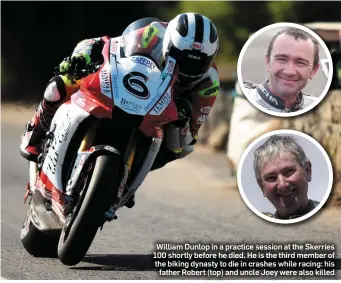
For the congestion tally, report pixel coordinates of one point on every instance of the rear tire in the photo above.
(36, 242)
(88, 215)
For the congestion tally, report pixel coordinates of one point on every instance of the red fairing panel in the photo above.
(151, 123)
(100, 108)
(46, 185)
(90, 96)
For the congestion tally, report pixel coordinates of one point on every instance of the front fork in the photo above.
(124, 192)
(143, 172)
(33, 169)
(128, 163)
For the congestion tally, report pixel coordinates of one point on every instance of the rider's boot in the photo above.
(32, 139)
(35, 130)
(130, 202)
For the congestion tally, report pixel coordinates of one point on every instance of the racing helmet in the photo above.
(192, 40)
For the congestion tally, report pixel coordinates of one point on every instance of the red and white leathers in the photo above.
(201, 95)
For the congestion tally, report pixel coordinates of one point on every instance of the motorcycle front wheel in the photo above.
(88, 215)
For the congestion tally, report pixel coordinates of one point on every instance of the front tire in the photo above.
(88, 215)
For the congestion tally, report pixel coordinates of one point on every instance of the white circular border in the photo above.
(295, 220)
(290, 114)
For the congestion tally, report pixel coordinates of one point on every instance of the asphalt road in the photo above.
(183, 202)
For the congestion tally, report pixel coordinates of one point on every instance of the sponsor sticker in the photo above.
(110, 148)
(80, 101)
(205, 110)
(114, 75)
(210, 91)
(201, 119)
(143, 61)
(194, 57)
(113, 47)
(124, 103)
(197, 45)
(162, 104)
(63, 133)
(105, 82)
(170, 67)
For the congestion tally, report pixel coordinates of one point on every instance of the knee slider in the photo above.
(55, 90)
(186, 150)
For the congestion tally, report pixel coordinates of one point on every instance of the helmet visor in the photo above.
(194, 65)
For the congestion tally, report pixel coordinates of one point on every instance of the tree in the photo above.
(236, 21)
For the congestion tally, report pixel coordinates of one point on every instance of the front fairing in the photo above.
(137, 82)
(134, 74)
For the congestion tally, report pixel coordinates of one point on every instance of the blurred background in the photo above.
(36, 37)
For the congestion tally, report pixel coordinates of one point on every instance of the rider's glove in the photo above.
(184, 108)
(72, 66)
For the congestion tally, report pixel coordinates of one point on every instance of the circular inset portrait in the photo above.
(280, 69)
(285, 176)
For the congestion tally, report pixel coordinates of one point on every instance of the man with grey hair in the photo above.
(283, 172)
(292, 58)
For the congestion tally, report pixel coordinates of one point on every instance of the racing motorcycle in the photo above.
(100, 146)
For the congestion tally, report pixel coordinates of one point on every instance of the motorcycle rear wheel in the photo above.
(88, 215)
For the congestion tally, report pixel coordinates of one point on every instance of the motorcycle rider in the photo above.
(191, 39)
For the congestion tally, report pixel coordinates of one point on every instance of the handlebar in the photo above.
(78, 74)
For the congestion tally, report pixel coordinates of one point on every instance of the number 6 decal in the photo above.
(134, 82)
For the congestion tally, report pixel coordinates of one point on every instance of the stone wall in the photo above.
(214, 131)
(323, 123)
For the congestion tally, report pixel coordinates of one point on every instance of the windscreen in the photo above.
(144, 37)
